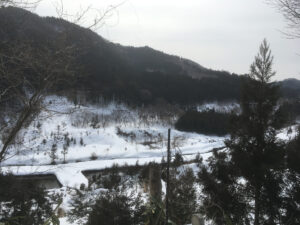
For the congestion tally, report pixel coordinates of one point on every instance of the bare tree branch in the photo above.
(28, 73)
(80, 17)
(25, 4)
(290, 9)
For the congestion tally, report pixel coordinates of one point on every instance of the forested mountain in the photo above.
(135, 75)
(290, 88)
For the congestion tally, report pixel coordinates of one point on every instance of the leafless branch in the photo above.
(291, 12)
(80, 17)
(36, 71)
(29, 72)
(25, 4)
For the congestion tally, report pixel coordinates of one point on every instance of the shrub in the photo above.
(93, 156)
(113, 207)
(81, 141)
(182, 199)
(22, 202)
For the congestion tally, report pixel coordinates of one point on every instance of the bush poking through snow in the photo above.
(127, 135)
(81, 141)
(53, 154)
(94, 156)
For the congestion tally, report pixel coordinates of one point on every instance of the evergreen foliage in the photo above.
(80, 208)
(182, 198)
(155, 212)
(287, 113)
(114, 207)
(245, 183)
(292, 182)
(206, 122)
(22, 203)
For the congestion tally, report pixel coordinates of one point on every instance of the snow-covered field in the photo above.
(220, 107)
(65, 140)
(96, 137)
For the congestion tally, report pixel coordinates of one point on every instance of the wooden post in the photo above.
(168, 177)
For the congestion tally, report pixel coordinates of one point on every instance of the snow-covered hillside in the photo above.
(66, 139)
(229, 107)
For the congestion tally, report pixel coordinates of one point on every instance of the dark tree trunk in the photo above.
(257, 204)
(22, 119)
(27, 112)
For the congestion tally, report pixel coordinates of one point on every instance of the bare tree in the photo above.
(291, 12)
(97, 16)
(25, 4)
(28, 73)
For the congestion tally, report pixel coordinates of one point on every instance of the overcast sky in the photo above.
(218, 34)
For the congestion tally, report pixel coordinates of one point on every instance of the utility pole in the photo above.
(168, 176)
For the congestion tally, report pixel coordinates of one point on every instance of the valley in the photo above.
(84, 132)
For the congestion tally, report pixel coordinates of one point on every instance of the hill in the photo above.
(134, 75)
(290, 88)
(138, 75)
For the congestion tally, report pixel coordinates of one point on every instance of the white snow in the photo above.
(220, 107)
(141, 139)
(288, 133)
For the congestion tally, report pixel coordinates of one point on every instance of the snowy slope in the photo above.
(100, 136)
(97, 137)
(220, 107)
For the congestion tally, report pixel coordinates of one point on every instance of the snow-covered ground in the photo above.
(288, 133)
(65, 140)
(220, 107)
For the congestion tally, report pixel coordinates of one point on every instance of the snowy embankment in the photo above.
(66, 140)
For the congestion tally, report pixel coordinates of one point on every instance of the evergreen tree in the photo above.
(22, 202)
(114, 207)
(292, 183)
(81, 207)
(244, 184)
(182, 197)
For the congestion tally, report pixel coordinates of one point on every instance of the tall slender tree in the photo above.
(244, 184)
